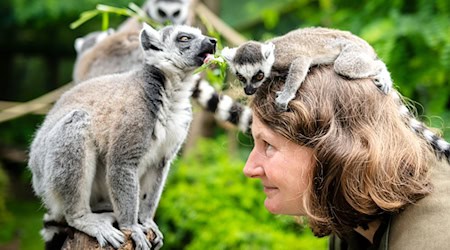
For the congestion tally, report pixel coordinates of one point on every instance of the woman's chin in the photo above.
(272, 206)
(275, 207)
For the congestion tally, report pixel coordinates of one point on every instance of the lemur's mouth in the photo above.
(208, 48)
(206, 54)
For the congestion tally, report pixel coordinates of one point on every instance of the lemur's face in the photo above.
(251, 76)
(173, 11)
(183, 46)
(251, 63)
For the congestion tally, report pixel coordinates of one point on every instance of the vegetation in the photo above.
(208, 204)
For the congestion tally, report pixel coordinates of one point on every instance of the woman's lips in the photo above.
(270, 190)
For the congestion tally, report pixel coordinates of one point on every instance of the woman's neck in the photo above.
(370, 232)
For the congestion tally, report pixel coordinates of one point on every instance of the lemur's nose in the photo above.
(213, 41)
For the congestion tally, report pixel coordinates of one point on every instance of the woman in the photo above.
(344, 157)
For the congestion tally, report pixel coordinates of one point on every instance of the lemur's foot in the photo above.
(150, 225)
(283, 99)
(383, 81)
(101, 227)
(138, 236)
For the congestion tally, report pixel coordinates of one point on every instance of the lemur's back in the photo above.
(324, 44)
(118, 53)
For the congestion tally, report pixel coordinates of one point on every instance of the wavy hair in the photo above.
(369, 163)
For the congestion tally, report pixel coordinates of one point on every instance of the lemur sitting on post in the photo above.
(117, 52)
(292, 54)
(108, 143)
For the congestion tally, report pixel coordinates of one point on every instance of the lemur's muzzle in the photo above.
(207, 47)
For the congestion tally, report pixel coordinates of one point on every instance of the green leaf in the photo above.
(84, 17)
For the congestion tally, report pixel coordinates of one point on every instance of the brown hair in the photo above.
(369, 162)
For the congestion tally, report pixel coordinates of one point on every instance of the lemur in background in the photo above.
(163, 11)
(108, 143)
(292, 54)
(119, 52)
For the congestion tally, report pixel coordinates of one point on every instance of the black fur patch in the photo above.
(235, 111)
(212, 103)
(249, 54)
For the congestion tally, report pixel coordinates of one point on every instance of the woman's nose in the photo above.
(253, 168)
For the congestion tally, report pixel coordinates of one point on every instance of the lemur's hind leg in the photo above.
(71, 165)
(297, 74)
(355, 63)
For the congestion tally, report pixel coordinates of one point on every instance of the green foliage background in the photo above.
(207, 203)
(210, 204)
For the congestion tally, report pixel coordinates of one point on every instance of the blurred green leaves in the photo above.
(208, 203)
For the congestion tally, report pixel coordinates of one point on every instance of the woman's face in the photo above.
(283, 167)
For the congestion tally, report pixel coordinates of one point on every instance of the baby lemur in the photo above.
(108, 143)
(292, 54)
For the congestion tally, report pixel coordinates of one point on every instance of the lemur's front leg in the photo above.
(152, 183)
(297, 74)
(123, 181)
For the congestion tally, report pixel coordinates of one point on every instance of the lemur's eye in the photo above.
(184, 38)
(241, 78)
(259, 76)
(162, 13)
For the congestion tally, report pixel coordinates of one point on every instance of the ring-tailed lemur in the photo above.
(107, 144)
(163, 11)
(292, 55)
(119, 52)
(254, 63)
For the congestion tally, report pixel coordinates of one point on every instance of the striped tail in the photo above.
(439, 145)
(223, 107)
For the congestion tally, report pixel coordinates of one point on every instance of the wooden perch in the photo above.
(83, 241)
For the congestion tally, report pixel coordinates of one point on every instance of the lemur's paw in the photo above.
(283, 100)
(138, 236)
(150, 225)
(383, 81)
(108, 234)
(99, 226)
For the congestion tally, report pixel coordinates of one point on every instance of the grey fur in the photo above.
(108, 142)
(120, 52)
(292, 55)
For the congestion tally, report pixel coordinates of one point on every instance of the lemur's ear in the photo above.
(150, 38)
(78, 44)
(228, 53)
(268, 50)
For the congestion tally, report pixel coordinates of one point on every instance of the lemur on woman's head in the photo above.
(292, 54)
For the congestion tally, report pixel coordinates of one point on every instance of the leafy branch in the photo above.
(104, 10)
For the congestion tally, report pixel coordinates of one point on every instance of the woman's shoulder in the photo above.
(425, 225)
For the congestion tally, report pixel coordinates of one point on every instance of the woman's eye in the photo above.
(268, 147)
(183, 38)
